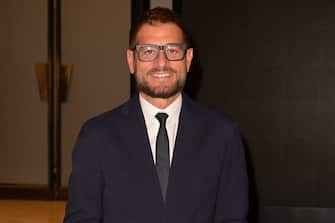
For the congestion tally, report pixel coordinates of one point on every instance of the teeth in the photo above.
(161, 75)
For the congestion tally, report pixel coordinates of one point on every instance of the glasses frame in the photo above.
(159, 48)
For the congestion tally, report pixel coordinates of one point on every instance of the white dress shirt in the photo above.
(152, 124)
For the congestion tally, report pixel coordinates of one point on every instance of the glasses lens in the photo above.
(147, 53)
(175, 52)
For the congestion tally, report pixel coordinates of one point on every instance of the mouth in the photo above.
(161, 75)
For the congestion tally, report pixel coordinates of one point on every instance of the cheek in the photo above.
(142, 68)
(182, 68)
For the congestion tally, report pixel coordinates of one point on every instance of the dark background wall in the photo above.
(270, 65)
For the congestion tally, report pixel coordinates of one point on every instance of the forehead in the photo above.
(159, 33)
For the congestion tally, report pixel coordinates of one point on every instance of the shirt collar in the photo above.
(149, 110)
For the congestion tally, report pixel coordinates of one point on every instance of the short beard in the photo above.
(161, 93)
(144, 87)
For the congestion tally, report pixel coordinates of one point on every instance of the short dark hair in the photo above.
(157, 15)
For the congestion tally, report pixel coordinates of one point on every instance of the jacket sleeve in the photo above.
(86, 182)
(232, 197)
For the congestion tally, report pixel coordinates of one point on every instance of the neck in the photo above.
(160, 103)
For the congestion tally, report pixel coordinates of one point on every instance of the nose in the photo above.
(161, 59)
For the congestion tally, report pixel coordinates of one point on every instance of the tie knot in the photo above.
(162, 117)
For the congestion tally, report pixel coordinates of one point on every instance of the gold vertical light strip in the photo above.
(42, 76)
(65, 78)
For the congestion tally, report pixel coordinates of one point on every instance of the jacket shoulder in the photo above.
(108, 118)
(211, 116)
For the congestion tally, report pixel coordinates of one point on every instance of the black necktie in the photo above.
(162, 153)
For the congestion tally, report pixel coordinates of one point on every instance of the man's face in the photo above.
(159, 78)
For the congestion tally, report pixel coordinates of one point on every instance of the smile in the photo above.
(161, 75)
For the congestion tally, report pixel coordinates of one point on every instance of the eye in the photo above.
(173, 51)
(148, 51)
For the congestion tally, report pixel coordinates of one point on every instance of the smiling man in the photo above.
(160, 157)
(160, 60)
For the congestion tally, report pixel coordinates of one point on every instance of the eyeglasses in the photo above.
(150, 52)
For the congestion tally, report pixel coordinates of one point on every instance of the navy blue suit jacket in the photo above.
(114, 179)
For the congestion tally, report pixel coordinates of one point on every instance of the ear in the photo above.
(130, 59)
(189, 57)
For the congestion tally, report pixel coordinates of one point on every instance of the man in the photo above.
(160, 157)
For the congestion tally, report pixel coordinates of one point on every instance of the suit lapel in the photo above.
(187, 134)
(137, 140)
(188, 141)
(139, 150)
